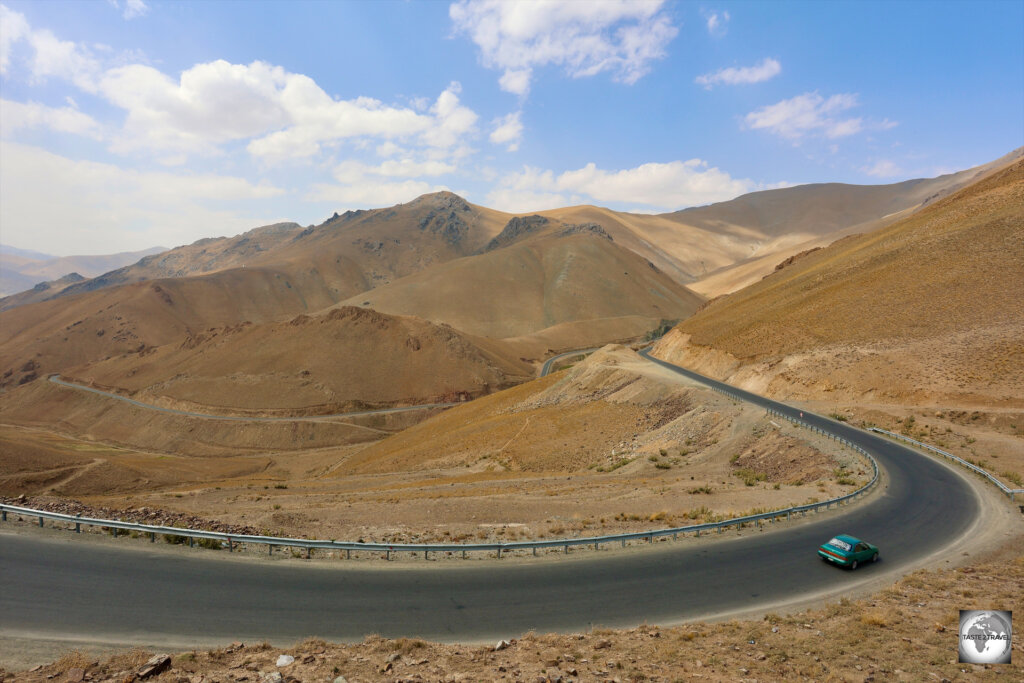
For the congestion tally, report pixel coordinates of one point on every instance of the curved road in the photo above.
(546, 368)
(239, 418)
(58, 587)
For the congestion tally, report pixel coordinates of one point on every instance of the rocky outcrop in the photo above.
(447, 217)
(516, 228)
(584, 229)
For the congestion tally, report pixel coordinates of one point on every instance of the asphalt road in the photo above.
(61, 587)
(550, 362)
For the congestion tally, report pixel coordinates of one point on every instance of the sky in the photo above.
(128, 124)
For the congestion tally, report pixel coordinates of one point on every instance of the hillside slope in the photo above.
(929, 309)
(268, 274)
(343, 360)
(565, 274)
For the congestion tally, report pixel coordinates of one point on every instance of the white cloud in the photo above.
(388, 149)
(134, 8)
(13, 28)
(716, 23)
(766, 69)
(584, 38)
(883, 168)
(370, 194)
(508, 131)
(451, 120)
(283, 115)
(18, 115)
(812, 114)
(653, 186)
(113, 209)
(62, 59)
(355, 171)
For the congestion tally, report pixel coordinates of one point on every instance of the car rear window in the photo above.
(842, 545)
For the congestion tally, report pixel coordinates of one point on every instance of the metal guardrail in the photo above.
(1011, 493)
(230, 540)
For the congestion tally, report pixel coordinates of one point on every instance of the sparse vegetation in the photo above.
(749, 476)
(622, 462)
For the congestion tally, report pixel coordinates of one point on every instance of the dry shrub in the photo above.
(312, 644)
(76, 659)
(407, 645)
(131, 659)
(874, 618)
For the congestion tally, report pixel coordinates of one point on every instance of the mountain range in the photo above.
(464, 298)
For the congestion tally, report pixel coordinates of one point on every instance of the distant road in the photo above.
(62, 586)
(238, 418)
(550, 362)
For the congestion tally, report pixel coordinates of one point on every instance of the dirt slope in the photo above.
(722, 247)
(343, 360)
(272, 273)
(533, 284)
(350, 252)
(929, 309)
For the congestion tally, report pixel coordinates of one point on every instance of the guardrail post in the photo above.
(788, 513)
(464, 554)
(566, 548)
(40, 522)
(115, 531)
(387, 555)
(348, 553)
(623, 543)
(499, 553)
(4, 515)
(191, 542)
(698, 533)
(231, 545)
(78, 526)
(309, 551)
(152, 537)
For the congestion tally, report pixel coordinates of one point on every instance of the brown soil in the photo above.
(348, 359)
(925, 313)
(907, 632)
(535, 284)
(613, 444)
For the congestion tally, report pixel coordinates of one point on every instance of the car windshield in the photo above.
(838, 543)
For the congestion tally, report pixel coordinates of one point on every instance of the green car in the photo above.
(848, 551)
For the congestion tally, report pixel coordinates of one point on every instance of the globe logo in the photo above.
(985, 636)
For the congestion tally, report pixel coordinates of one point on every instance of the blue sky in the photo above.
(132, 123)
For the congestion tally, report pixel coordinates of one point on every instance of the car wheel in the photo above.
(853, 565)
(874, 558)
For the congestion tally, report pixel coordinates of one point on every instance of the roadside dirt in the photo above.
(612, 444)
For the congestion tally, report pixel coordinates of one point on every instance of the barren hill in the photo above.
(350, 252)
(20, 271)
(563, 274)
(346, 359)
(723, 247)
(272, 273)
(927, 310)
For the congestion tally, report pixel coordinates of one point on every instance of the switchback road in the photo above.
(60, 587)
